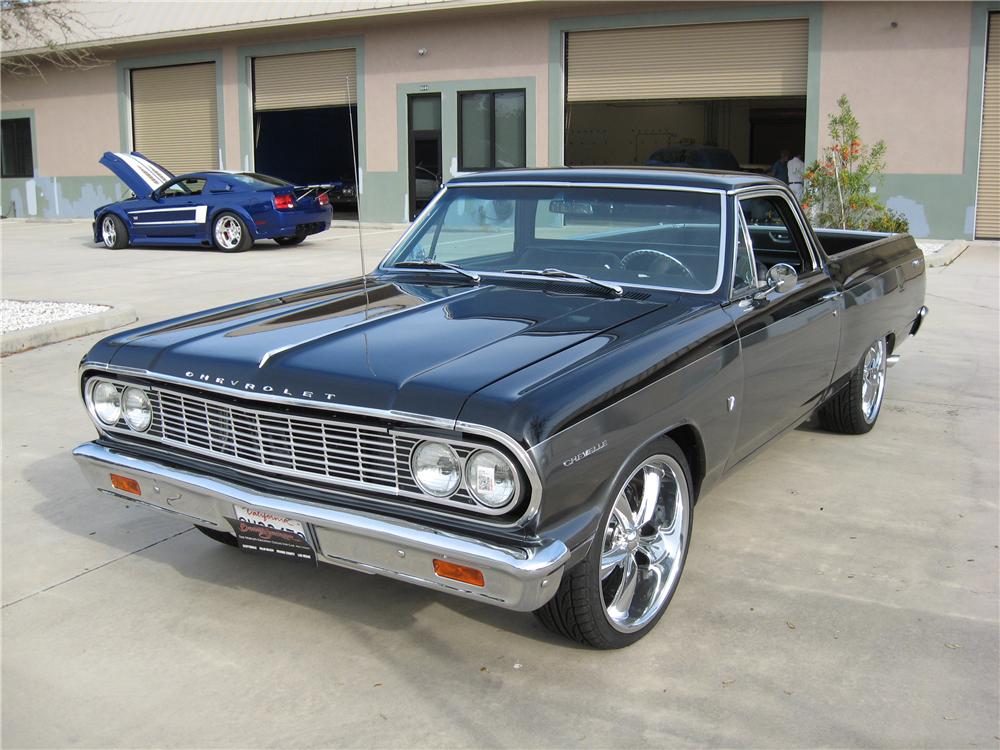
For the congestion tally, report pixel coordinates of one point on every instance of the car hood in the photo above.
(420, 348)
(142, 175)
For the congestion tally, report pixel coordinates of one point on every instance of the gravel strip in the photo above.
(16, 315)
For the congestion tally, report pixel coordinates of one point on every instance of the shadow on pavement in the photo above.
(340, 593)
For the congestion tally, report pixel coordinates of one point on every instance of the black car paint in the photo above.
(580, 379)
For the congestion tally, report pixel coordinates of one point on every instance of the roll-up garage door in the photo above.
(988, 195)
(706, 61)
(174, 116)
(311, 79)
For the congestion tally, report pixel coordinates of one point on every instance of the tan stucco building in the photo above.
(441, 86)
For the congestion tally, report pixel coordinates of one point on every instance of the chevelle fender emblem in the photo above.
(259, 388)
(590, 451)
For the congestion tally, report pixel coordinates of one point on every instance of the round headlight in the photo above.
(490, 478)
(137, 409)
(107, 402)
(436, 469)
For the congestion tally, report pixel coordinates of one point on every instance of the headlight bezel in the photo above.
(129, 390)
(451, 453)
(464, 494)
(93, 402)
(472, 485)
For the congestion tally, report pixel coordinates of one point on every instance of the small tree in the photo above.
(47, 27)
(839, 185)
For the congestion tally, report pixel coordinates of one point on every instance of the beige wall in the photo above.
(76, 117)
(511, 45)
(907, 85)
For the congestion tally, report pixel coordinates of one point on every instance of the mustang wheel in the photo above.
(854, 408)
(219, 536)
(113, 232)
(230, 234)
(288, 241)
(619, 592)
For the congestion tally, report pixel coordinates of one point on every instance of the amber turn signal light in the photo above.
(125, 484)
(457, 572)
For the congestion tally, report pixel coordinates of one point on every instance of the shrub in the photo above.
(838, 189)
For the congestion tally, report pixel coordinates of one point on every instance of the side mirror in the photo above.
(780, 278)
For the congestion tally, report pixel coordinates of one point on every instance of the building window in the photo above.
(491, 130)
(16, 160)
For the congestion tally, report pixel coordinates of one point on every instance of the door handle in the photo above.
(829, 296)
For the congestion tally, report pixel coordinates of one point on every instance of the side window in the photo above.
(744, 274)
(775, 234)
(186, 186)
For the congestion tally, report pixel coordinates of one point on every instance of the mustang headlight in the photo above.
(106, 402)
(137, 409)
(490, 478)
(436, 469)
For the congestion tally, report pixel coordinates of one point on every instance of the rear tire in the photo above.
(220, 536)
(230, 233)
(618, 593)
(854, 409)
(114, 234)
(289, 241)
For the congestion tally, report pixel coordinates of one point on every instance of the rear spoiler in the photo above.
(303, 191)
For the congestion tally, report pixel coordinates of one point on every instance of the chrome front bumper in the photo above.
(515, 578)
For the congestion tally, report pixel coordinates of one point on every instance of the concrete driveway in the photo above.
(840, 591)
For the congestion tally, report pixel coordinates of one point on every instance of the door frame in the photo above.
(411, 137)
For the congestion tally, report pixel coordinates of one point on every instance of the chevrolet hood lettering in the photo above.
(418, 348)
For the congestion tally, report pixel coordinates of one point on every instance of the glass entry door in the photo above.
(425, 172)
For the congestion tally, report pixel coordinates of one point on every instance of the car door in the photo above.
(788, 340)
(175, 210)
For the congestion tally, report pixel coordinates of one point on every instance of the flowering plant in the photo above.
(839, 185)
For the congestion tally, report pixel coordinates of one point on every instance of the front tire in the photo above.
(618, 593)
(230, 233)
(114, 233)
(290, 241)
(854, 409)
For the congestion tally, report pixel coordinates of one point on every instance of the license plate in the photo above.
(265, 533)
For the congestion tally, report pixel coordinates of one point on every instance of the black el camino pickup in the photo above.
(523, 401)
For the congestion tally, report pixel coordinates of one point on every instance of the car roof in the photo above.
(669, 176)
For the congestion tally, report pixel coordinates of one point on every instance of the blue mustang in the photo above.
(225, 210)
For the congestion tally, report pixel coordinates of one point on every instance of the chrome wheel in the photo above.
(644, 543)
(873, 380)
(228, 232)
(108, 232)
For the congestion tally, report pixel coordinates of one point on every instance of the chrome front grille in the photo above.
(283, 443)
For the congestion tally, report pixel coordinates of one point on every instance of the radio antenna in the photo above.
(357, 192)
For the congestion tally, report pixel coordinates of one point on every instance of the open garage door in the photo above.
(738, 86)
(175, 116)
(304, 105)
(988, 194)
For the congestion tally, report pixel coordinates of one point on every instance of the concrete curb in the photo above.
(948, 254)
(61, 330)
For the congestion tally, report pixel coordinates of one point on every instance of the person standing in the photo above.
(780, 168)
(795, 169)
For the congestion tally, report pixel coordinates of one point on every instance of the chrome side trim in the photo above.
(522, 456)
(520, 578)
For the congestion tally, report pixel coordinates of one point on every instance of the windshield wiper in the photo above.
(559, 273)
(428, 263)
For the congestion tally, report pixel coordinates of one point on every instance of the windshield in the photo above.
(641, 236)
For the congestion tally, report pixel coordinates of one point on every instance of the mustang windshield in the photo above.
(665, 238)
